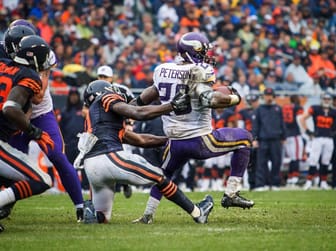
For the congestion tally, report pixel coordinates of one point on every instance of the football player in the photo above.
(105, 120)
(21, 86)
(190, 133)
(44, 117)
(322, 139)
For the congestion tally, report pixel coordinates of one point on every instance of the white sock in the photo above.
(233, 185)
(81, 205)
(196, 212)
(152, 205)
(6, 196)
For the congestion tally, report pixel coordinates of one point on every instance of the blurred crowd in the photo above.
(288, 45)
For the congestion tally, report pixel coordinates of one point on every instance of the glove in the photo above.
(181, 103)
(42, 138)
(309, 133)
(235, 92)
(78, 163)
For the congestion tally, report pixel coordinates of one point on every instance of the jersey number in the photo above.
(167, 91)
(5, 87)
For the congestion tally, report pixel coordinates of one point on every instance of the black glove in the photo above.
(34, 132)
(42, 138)
(309, 133)
(181, 103)
(235, 92)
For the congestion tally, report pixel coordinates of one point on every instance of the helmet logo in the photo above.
(197, 45)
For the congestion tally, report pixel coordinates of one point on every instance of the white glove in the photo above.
(86, 142)
(78, 164)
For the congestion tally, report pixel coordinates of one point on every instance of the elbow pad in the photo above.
(205, 98)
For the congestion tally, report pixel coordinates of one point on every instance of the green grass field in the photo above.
(284, 220)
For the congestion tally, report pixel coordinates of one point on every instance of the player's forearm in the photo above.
(17, 117)
(150, 111)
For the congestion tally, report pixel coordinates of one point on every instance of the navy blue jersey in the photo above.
(246, 115)
(290, 112)
(12, 75)
(222, 119)
(3, 53)
(268, 123)
(105, 124)
(324, 121)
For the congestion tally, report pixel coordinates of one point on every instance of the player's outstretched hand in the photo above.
(235, 92)
(42, 138)
(181, 103)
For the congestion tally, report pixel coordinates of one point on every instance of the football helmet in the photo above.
(34, 53)
(193, 48)
(13, 36)
(94, 89)
(23, 22)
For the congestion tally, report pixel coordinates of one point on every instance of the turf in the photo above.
(285, 220)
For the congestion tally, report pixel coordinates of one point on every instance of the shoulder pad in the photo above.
(202, 73)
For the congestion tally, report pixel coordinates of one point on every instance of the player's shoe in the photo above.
(236, 201)
(2, 228)
(324, 186)
(206, 205)
(145, 219)
(127, 189)
(89, 213)
(6, 210)
(80, 214)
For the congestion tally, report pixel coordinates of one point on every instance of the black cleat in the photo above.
(80, 214)
(127, 189)
(6, 210)
(206, 205)
(145, 219)
(236, 201)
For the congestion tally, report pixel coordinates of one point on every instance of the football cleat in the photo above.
(206, 205)
(6, 210)
(127, 189)
(145, 219)
(236, 201)
(80, 214)
(89, 214)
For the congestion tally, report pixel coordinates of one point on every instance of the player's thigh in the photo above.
(16, 165)
(315, 151)
(327, 151)
(121, 167)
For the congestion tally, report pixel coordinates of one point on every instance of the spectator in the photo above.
(241, 85)
(58, 85)
(167, 16)
(71, 123)
(298, 72)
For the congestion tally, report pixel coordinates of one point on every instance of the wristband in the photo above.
(234, 99)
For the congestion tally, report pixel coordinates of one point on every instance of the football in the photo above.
(223, 89)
